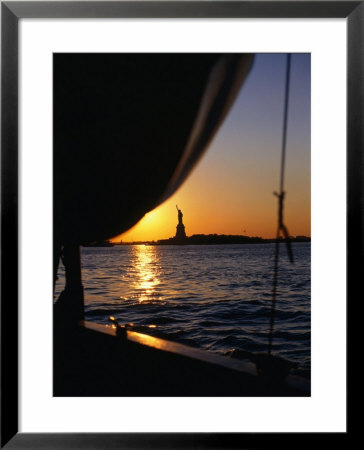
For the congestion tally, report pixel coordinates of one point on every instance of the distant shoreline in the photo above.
(215, 239)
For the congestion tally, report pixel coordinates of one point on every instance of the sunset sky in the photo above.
(231, 189)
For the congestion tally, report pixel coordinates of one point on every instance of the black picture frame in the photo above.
(11, 12)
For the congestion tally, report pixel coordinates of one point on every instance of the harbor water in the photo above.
(215, 297)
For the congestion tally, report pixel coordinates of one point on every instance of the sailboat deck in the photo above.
(95, 360)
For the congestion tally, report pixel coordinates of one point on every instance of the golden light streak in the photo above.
(147, 272)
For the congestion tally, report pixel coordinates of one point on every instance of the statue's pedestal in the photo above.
(180, 231)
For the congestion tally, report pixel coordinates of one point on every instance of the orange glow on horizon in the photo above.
(231, 189)
(213, 202)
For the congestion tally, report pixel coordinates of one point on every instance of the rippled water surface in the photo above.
(216, 297)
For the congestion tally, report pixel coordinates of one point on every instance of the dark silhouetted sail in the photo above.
(128, 128)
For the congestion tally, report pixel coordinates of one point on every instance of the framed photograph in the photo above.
(163, 167)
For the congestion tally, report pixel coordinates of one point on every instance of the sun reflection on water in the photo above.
(147, 272)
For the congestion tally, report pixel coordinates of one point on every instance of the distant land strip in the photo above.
(213, 239)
